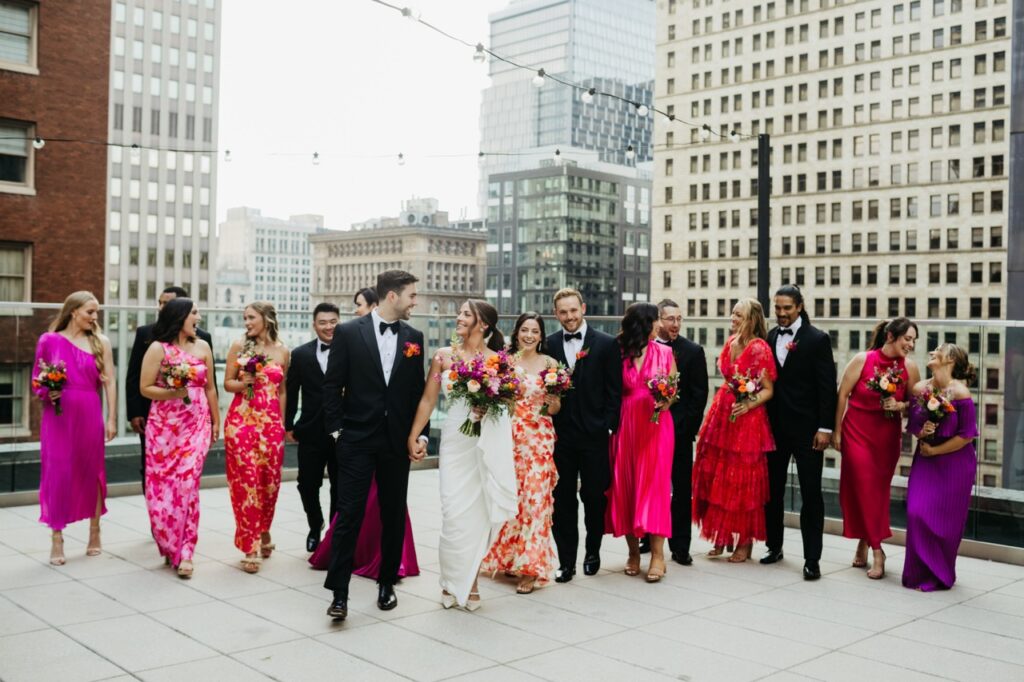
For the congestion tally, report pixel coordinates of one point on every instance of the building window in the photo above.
(18, 32)
(16, 157)
(15, 272)
(13, 399)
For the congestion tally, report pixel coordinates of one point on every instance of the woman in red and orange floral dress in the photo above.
(524, 547)
(254, 431)
(730, 473)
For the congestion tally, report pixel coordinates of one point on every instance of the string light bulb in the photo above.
(136, 151)
(734, 136)
(641, 110)
(410, 14)
(558, 155)
(705, 132)
(401, 159)
(227, 156)
(630, 152)
(480, 56)
(316, 158)
(539, 80)
(38, 143)
(588, 95)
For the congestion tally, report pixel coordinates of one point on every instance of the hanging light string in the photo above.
(587, 92)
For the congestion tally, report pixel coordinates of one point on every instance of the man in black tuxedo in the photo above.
(137, 405)
(687, 415)
(589, 415)
(802, 414)
(316, 447)
(375, 378)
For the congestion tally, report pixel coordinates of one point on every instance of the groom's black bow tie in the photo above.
(324, 347)
(576, 335)
(393, 326)
(785, 330)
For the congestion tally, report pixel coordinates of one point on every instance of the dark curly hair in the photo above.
(513, 344)
(171, 319)
(637, 324)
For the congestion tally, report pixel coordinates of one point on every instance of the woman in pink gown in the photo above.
(73, 480)
(867, 435)
(640, 495)
(367, 559)
(178, 434)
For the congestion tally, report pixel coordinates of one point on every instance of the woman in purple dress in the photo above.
(73, 480)
(939, 492)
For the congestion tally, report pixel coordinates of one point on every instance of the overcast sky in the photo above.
(348, 78)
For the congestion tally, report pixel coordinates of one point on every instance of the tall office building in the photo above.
(165, 60)
(889, 165)
(604, 44)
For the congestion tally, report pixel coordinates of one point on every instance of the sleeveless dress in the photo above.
(640, 495)
(730, 472)
(177, 440)
(938, 499)
(478, 494)
(870, 451)
(72, 469)
(525, 544)
(254, 453)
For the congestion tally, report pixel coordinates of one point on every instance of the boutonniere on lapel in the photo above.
(791, 346)
(412, 350)
(582, 353)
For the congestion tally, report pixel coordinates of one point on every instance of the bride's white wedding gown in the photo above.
(478, 494)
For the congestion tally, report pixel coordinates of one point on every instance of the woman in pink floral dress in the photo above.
(254, 431)
(524, 548)
(182, 423)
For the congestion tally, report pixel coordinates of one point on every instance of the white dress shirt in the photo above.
(575, 346)
(782, 340)
(321, 354)
(387, 344)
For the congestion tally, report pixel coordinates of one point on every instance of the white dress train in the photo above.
(478, 495)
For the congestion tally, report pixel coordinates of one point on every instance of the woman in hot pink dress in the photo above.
(867, 435)
(640, 495)
(730, 473)
(72, 477)
(178, 434)
(254, 431)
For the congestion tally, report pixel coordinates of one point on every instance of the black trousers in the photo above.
(682, 492)
(142, 471)
(809, 463)
(582, 458)
(358, 464)
(316, 452)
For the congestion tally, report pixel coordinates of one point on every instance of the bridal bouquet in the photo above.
(490, 383)
(936, 405)
(885, 383)
(252, 362)
(178, 375)
(743, 387)
(664, 388)
(557, 381)
(52, 377)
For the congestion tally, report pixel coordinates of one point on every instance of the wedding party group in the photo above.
(534, 425)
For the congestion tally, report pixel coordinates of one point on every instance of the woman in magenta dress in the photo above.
(72, 477)
(640, 495)
(939, 492)
(254, 431)
(867, 435)
(367, 558)
(178, 433)
(730, 472)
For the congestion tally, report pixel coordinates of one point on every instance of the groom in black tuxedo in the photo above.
(316, 447)
(375, 377)
(589, 415)
(802, 414)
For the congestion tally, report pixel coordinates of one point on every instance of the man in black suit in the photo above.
(375, 378)
(316, 447)
(802, 414)
(589, 415)
(136, 404)
(687, 415)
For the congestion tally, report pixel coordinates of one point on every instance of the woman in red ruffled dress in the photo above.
(730, 473)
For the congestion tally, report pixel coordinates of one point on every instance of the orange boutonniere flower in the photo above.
(582, 353)
(411, 350)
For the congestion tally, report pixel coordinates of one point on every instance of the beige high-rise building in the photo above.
(888, 124)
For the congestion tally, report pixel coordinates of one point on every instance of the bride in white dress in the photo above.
(478, 480)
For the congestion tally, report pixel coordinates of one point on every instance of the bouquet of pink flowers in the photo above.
(743, 387)
(556, 381)
(52, 377)
(936, 404)
(252, 362)
(664, 388)
(178, 375)
(885, 383)
(491, 383)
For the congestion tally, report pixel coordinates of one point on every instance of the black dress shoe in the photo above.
(386, 599)
(811, 570)
(591, 564)
(645, 544)
(564, 574)
(683, 558)
(772, 556)
(338, 610)
(312, 540)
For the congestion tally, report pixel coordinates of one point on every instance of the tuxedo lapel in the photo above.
(367, 331)
(315, 349)
(796, 344)
(556, 348)
(773, 336)
(403, 337)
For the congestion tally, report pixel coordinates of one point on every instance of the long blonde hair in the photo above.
(753, 325)
(266, 310)
(72, 303)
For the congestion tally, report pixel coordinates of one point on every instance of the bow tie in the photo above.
(577, 335)
(785, 330)
(324, 347)
(393, 326)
